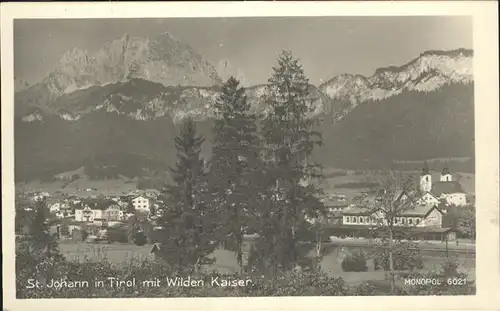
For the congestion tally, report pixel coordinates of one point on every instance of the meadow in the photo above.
(334, 184)
(108, 187)
(226, 261)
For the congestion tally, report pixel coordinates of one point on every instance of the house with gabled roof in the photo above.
(428, 198)
(141, 204)
(415, 215)
(97, 209)
(55, 205)
(418, 221)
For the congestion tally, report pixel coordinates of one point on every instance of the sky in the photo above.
(326, 46)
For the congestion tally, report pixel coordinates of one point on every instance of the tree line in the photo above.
(258, 178)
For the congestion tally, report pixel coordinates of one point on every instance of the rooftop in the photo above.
(414, 210)
(100, 203)
(446, 187)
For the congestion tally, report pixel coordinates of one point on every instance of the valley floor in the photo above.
(226, 261)
(121, 186)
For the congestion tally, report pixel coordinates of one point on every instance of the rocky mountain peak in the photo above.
(73, 55)
(161, 58)
(427, 72)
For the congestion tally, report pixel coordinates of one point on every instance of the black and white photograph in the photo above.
(254, 156)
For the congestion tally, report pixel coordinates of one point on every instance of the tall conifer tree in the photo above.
(186, 237)
(235, 165)
(38, 251)
(289, 140)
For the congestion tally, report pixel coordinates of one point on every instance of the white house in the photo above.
(40, 196)
(445, 190)
(142, 204)
(86, 213)
(57, 205)
(75, 201)
(60, 215)
(128, 215)
(54, 207)
(93, 210)
(111, 212)
(428, 198)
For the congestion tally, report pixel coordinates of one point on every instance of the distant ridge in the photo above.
(125, 126)
(427, 72)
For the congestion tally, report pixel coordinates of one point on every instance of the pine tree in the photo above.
(130, 208)
(235, 165)
(290, 140)
(186, 238)
(132, 228)
(38, 250)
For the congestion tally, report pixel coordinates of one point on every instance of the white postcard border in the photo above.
(485, 19)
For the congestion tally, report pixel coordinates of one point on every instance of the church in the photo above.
(445, 190)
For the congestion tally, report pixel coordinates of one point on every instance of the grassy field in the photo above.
(332, 184)
(226, 261)
(111, 187)
(114, 253)
(437, 160)
(120, 186)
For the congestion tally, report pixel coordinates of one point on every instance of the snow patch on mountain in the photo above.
(428, 72)
(69, 117)
(33, 117)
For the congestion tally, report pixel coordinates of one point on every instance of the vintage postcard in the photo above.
(308, 151)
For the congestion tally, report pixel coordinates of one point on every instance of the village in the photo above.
(70, 216)
(132, 217)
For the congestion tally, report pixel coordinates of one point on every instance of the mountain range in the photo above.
(119, 109)
(428, 72)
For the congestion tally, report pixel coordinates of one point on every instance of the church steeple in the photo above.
(425, 169)
(425, 179)
(445, 171)
(445, 174)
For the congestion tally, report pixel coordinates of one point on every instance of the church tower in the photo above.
(445, 174)
(425, 179)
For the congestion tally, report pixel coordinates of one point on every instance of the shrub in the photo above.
(356, 262)
(117, 235)
(84, 235)
(64, 230)
(401, 261)
(140, 238)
